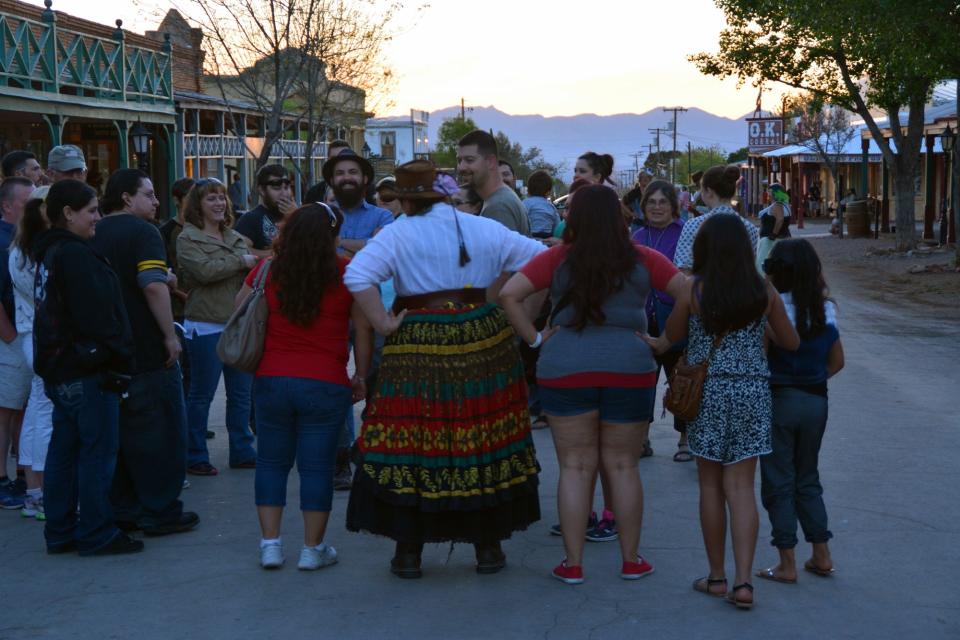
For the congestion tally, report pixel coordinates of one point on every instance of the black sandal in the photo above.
(703, 586)
(740, 604)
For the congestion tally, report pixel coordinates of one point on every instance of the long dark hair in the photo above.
(733, 295)
(601, 255)
(305, 265)
(121, 181)
(794, 267)
(32, 224)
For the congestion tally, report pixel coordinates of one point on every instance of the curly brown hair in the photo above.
(305, 265)
(192, 212)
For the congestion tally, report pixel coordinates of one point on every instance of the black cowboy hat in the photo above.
(347, 154)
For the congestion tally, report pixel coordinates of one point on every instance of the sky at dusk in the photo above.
(562, 57)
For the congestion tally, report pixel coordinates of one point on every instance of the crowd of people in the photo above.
(473, 316)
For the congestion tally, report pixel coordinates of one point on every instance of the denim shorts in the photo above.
(615, 404)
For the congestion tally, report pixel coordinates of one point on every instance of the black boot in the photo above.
(490, 557)
(342, 475)
(406, 560)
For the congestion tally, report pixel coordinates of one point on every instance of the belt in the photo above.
(438, 299)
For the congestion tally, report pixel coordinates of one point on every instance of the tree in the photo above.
(855, 54)
(826, 131)
(296, 62)
(739, 155)
(523, 161)
(450, 132)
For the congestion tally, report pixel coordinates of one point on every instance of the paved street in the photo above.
(888, 468)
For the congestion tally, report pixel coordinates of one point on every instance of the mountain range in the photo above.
(563, 138)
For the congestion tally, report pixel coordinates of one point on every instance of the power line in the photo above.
(673, 159)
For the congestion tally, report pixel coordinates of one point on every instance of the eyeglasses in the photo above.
(330, 212)
(276, 184)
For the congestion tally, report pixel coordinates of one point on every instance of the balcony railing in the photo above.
(230, 146)
(39, 56)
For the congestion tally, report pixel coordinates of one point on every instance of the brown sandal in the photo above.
(703, 586)
(812, 568)
(737, 602)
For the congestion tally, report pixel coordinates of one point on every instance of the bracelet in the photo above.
(537, 342)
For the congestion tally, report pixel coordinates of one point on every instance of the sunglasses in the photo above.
(276, 184)
(333, 216)
(387, 199)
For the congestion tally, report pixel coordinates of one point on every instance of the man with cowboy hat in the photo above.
(349, 174)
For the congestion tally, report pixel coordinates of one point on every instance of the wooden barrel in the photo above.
(857, 219)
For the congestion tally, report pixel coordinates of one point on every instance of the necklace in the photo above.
(655, 245)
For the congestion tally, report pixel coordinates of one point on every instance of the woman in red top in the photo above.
(302, 392)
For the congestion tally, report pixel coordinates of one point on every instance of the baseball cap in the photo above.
(66, 157)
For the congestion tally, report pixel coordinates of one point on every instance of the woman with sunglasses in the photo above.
(301, 390)
(213, 260)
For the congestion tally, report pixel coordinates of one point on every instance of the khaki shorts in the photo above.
(15, 375)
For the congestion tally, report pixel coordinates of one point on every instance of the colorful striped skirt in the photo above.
(445, 452)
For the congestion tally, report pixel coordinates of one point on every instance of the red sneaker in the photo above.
(568, 575)
(636, 570)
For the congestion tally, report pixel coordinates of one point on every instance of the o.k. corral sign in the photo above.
(764, 134)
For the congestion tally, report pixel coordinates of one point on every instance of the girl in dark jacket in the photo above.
(83, 352)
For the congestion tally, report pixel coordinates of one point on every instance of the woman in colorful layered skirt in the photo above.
(445, 453)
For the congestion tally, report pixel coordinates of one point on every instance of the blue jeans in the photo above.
(205, 370)
(790, 480)
(153, 443)
(302, 419)
(80, 464)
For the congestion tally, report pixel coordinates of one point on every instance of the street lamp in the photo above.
(140, 137)
(947, 140)
(365, 151)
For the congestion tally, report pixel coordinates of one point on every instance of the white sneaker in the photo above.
(271, 556)
(33, 508)
(313, 558)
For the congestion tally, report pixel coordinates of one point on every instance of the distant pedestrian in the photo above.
(727, 309)
(774, 223)
(541, 213)
(790, 486)
(632, 200)
(84, 353)
(235, 192)
(478, 167)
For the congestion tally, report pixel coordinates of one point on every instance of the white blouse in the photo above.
(422, 254)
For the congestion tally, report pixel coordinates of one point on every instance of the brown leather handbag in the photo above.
(685, 386)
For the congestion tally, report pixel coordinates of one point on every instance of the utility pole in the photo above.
(656, 132)
(636, 160)
(463, 110)
(673, 159)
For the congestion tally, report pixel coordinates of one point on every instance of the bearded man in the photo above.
(349, 174)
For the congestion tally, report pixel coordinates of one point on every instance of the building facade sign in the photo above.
(764, 134)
